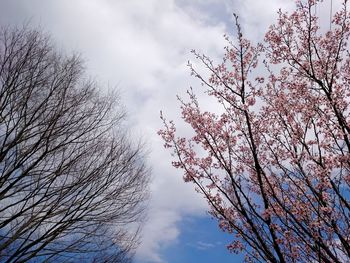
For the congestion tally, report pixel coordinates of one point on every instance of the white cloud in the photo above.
(200, 245)
(143, 47)
(257, 16)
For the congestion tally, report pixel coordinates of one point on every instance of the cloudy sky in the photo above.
(141, 47)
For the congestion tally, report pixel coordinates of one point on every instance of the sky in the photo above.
(141, 48)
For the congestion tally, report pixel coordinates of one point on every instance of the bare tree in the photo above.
(72, 185)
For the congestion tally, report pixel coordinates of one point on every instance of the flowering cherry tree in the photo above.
(274, 163)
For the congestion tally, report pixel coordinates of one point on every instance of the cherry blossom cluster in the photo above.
(274, 166)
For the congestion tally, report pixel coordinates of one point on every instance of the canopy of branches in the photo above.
(72, 184)
(274, 164)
